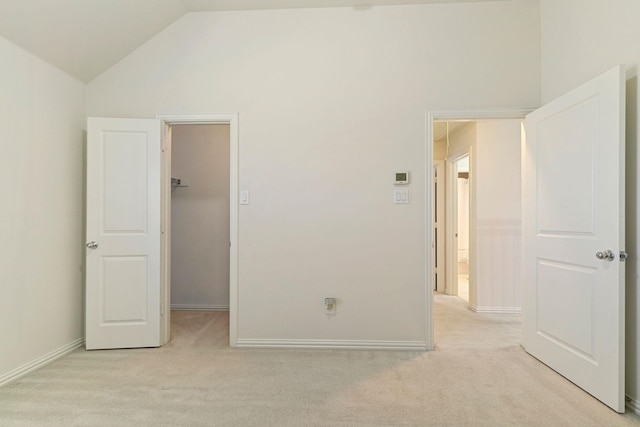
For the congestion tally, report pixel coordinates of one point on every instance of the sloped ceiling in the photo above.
(86, 37)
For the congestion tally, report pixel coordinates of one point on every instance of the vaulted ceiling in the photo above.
(86, 37)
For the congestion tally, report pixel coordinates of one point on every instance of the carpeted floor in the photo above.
(478, 376)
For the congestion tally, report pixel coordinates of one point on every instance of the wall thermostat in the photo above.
(402, 178)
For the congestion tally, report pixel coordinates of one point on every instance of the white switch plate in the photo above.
(244, 197)
(401, 196)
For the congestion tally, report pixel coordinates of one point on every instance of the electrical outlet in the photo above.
(330, 306)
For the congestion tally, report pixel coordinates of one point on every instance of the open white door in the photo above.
(123, 233)
(573, 213)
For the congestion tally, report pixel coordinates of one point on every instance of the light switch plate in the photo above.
(244, 197)
(401, 196)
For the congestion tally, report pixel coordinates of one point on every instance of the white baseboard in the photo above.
(40, 362)
(497, 310)
(633, 405)
(200, 307)
(333, 344)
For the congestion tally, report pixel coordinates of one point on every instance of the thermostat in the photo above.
(402, 178)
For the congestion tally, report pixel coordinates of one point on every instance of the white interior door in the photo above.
(123, 233)
(451, 227)
(438, 226)
(573, 211)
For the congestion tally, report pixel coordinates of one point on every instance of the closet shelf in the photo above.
(177, 183)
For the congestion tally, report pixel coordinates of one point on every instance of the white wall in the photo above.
(200, 217)
(580, 40)
(497, 215)
(331, 102)
(42, 115)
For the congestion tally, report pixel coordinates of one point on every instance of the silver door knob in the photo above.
(92, 245)
(607, 255)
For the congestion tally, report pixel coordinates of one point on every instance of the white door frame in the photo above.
(168, 120)
(431, 116)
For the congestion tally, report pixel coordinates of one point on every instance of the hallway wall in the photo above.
(497, 216)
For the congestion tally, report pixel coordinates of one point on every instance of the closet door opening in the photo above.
(200, 217)
(200, 224)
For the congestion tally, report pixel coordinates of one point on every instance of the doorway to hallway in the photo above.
(481, 225)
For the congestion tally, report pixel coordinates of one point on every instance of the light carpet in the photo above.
(478, 376)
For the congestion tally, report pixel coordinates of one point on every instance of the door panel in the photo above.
(566, 200)
(124, 276)
(557, 284)
(125, 182)
(573, 207)
(123, 219)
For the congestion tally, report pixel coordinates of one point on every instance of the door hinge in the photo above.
(162, 309)
(623, 256)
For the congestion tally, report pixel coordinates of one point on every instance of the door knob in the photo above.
(607, 255)
(92, 245)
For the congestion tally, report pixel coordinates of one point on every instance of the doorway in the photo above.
(199, 205)
(492, 232)
(200, 217)
(483, 218)
(462, 227)
(454, 141)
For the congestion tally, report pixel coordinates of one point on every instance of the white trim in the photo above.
(200, 307)
(632, 404)
(233, 121)
(40, 362)
(431, 115)
(496, 310)
(198, 119)
(333, 344)
(478, 114)
(428, 238)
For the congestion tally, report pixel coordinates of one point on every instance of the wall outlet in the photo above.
(330, 306)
